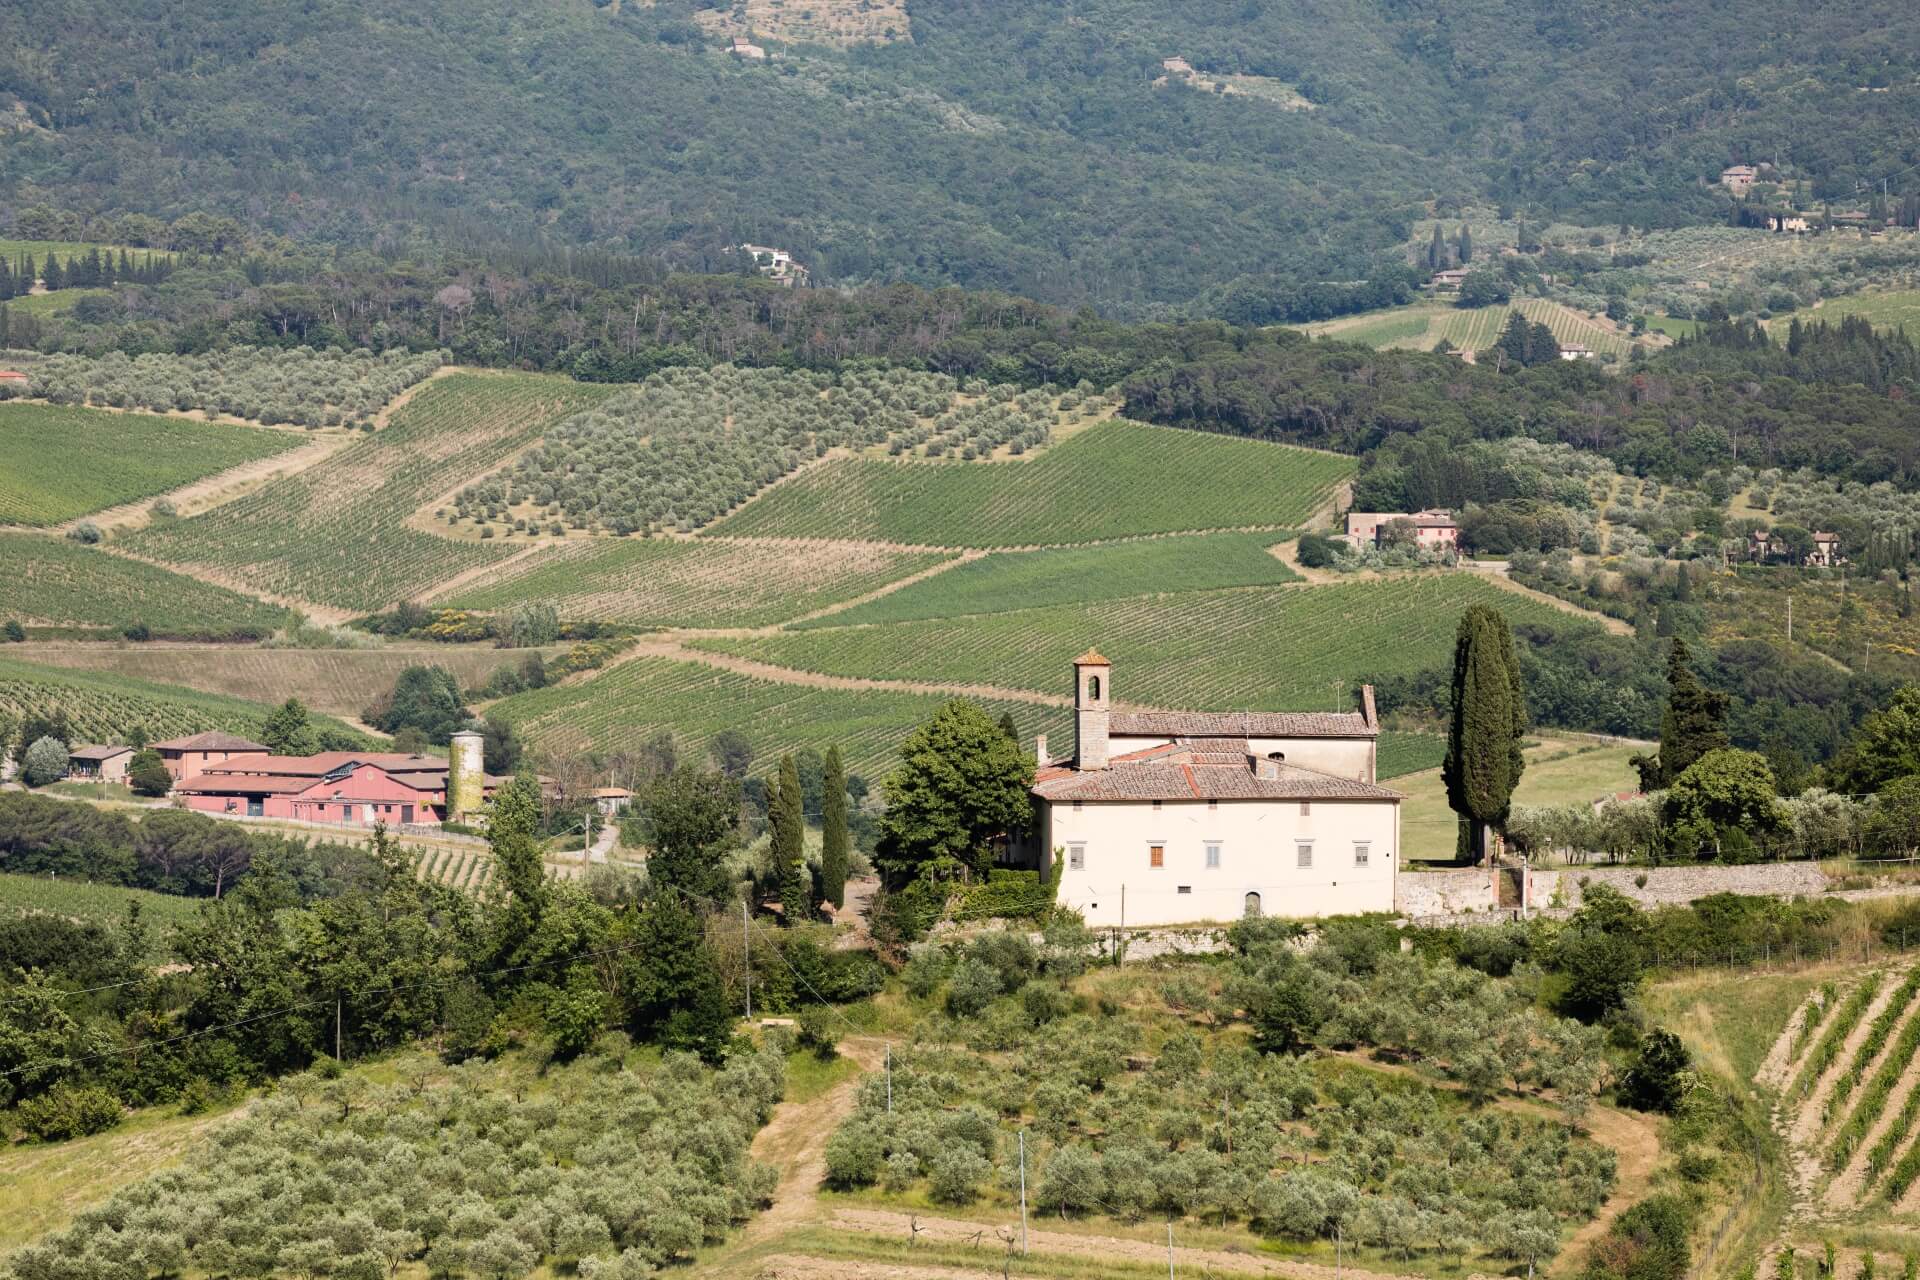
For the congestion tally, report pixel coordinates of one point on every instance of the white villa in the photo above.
(1176, 817)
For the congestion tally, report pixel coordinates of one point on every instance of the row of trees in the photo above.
(90, 270)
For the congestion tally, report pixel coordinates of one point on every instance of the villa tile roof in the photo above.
(213, 740)
(1201, 781)
(1242, 724)
(98, 753)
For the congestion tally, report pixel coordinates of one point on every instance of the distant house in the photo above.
(1826, 550)
(1432, 528)
(747, 52)
(1738, 177)
(99, 764)
(1451, 278)
(13, 376)
(186, 756)
(776, 264)
(1575, 351)
(1176, 66)
(612, 801)
(1788, 222)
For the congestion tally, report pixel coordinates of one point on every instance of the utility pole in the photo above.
(1789, 617)
(746, 953)
(1023, 1193)
(336, 1026)
(889, 1077)
(1169, 1250)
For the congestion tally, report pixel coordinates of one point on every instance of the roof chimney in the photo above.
(1092, 693)
(1040, 758)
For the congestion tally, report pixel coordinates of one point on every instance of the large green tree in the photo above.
(513, 832)
(689, 819)
(786, 820)
(960, 786)
(1723, 791)
(1694, 723)
(1483, 761)
(1887, 746)
(674, 991)
(287, 732)
(423, 698)
(835, 844)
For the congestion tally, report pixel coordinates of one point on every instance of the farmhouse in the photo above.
(1170, 817)
(1738, 177)
(1431, 528)
(1788, 222)
(1826, 550)
(776, 264)
(747, 52)
(1575, 351)
(185, 757)
(352, 788)
(612, 801)
(99, 764)
(1451, 278)
(12, 377)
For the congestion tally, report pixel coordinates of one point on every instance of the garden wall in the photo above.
(1469, 891)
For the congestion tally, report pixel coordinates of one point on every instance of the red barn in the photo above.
(351, 788)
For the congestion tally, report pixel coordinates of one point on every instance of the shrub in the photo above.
(1317, 551)
(86, 532)
(45, 761)
(69, 1111)
(974, 985)
(15, 633)
(147, 774)
(817, 1031)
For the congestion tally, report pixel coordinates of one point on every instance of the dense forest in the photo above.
(1001, 146)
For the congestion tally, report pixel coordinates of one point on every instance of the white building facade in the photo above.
(1188, 817)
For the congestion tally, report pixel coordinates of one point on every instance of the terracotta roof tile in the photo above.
(97, 753)
(214, 740)
(1202, 782)
(1241, 724)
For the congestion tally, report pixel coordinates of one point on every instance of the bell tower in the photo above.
(1092, 694)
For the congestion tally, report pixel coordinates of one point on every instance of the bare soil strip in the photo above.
(223, 486)
(1807, 1122)
(1777, 1069)
(1844, 1192)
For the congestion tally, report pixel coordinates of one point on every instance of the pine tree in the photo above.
(1695, 722)
(835, 845)
(1465, 245)
(1483, 762)
(785, 817)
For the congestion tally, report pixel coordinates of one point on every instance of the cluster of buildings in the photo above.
(1766, 544)
(1171, 817)
(777, 265)
(1430, 530)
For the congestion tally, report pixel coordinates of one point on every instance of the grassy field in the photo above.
(104, 903)
(624, 706)
(1423, 325)
(1073, 575)
(1889, 309)
(58, 462)
(338, 534)
(1110, 481)
(1730, 1018)
(1559, 771)
(1673, 326)
(58, 582)
(1250, 648)
(705, 583)
(339, 682)
(104, 707)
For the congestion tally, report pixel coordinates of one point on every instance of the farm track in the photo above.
(1501, 576)
(223, 486)
(965, 557)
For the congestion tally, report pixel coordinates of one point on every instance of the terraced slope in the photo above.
(1115, 480)
(1261, 648)
(58, 462)
(704, 583)
(337, 534)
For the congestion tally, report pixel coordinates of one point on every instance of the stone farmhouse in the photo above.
(776, 264)
(1737, 178)
(1764, 545)
(1575, 351)
(99, 763)
(1432, 529)
(1177, 817)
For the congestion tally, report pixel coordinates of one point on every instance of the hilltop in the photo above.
(961, 142)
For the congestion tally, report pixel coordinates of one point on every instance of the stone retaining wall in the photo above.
(1428, 895)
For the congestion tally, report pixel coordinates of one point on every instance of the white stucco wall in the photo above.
(1258, 853)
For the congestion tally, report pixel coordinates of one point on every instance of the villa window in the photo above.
(1306, 808)
(1303, 853)
(1362, 855)
(1213, 855)
(1076, 857)
(1156, 855)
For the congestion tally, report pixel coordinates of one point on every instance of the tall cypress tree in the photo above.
(786, 818)
(1465, 245)
(51, 276)
(1694, 723)
(834, 842)
(1437, 250)
(6, 280)
(1483, 762)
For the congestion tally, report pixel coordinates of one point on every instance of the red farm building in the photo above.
(184, 757)
(348, 788)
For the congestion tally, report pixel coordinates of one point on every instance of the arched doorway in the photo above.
(1253, 904)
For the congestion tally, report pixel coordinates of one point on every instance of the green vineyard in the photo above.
(338, 534)
(621, 708)
(703, 583)
(1262, 649)
(1112, 480)
(106, 708)
(1404, 753)
(58, 462)
(102, 904)
(57, 582)
(1074, 575)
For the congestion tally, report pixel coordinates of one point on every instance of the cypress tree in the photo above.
(1008, 727)
(1465, 245)
(50, 275)
(834, 842)
(6, 280)
(1483, 762)
(786, 818)
(1437, 250)
(1694, 723)
(1683, 584)
(27, 275)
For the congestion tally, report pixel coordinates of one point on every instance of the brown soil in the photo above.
(1777, 1070)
